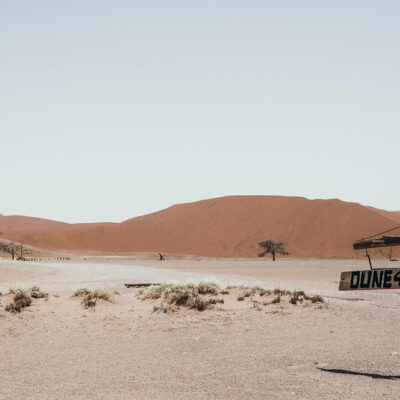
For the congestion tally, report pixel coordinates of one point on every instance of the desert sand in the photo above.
(223, 227)
(344, 348)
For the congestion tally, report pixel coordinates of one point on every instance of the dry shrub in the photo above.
(198, 303)
(190, 296)
(264, 292)
(317, 299)
(247, 294)
(276, 300)
(81, 292)
(215, 301)
(89, 301)
(189, 299)
(36, 293)
(102, 294)
(207, 288)
(297, 296)
(224, 292)
(21, 299)
(90, 298)
(240, 298)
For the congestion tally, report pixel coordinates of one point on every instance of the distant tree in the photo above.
(270, 246)
(162, 256)
(16, 251)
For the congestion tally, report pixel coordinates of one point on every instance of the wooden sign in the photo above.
(370, 279)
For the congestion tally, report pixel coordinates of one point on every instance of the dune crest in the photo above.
(222, 227)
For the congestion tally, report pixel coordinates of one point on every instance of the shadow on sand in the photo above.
(349, 372)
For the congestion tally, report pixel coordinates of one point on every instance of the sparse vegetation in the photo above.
(90, 297)
(193, 296)
(189, 296)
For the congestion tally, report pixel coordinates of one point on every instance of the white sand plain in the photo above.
(347, 348)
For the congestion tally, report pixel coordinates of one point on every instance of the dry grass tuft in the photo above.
(90, 298)
(224, 292)
(207, 288)
(89, 301)
(81, 292)
(216, 301)
(317, 299)
(240, 298)
(102, 294)
(36, 293)
(276, 300)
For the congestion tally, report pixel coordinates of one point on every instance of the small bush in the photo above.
(207, 288)
(90, 298)
(102, 294)
(215, 301)
(282, 292)
(36, 293)
(21, 294)
(21, 299)
(89, 301)
(276, 300)
(81, 292)
(317, 299)
(240, 298)
(224, 292)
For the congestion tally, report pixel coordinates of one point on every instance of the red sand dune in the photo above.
(223, 227)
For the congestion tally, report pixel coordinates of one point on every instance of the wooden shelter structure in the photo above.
(372, 242)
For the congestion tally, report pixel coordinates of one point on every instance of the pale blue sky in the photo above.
(113, 109)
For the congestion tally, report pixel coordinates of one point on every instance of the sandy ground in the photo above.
(346, 348)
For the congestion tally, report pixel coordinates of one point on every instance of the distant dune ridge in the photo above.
(222, 227)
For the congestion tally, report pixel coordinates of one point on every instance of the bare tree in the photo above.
(162, 256)
(270, 246)
(16, 251)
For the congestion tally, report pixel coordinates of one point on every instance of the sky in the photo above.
(114, 109)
